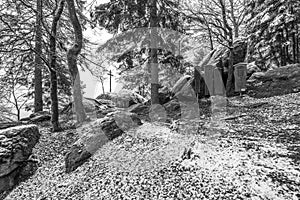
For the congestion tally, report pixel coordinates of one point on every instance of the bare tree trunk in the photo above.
(288, 58)
(229, 83)
(154, 59)
(234, 20)
(210, 39)
(294, 47)
(16, 104)
(102, 85)
(229, 33)
(72, 63)
(297, 60)
(53, 69)
(38, 89)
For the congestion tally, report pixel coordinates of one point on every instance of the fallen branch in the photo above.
(234, 117)
(256, 105)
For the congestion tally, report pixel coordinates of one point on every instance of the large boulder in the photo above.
(126, 98)
(97, 133)
(89, 104)
(251, 69)
(279, 81)
(164, 96)
(5, 125)
(180, 84)
(37, 117)
(16, 144)
(219, 59)
(106, 96)
(142, 111)
(104, 110)
(173, 109)
(40, 113)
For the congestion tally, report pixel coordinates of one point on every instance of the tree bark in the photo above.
(53, 69)
(229, 83)
(234, 20)
(72, 55)
(38, 89)
(154, 59)
(229, 33)
(102, 85)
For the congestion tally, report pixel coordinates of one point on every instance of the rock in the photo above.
(274, 82)
(25, 119)
(123, 99)
(40, 118)
(103, 111)
(187, 92)
(251, 69)
(158, 113)
(76, 156)
(97, 133)
(106, 96)
(164, 96)
(6, 125)
(126, 98)
(173, 109)
(117, 122)
(89, 104)
(16, 144)
(180, 84)
(108, 103)
(40, 113)
(141, 110)
(219, 58)
(257, 75)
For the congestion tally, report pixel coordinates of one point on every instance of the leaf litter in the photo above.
(255, 156)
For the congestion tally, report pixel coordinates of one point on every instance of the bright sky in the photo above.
(93, 86)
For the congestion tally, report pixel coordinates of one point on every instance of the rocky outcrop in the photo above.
(279, 81)
(123, 98)
(40, 118)
(142, 111)
(180, 84)
(40, 113)
(37, 117)
(16, 144)
(173, 109)
(5, 125)
(97, 133)
(89, 104)
(218, 59)
(251, 69)
(104, 110)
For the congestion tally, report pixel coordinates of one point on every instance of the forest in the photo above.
(207, 102)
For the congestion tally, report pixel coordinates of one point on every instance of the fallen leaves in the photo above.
(255, 156)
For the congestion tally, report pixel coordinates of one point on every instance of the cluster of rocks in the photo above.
(279, 81)
(16, 160)
(37, 117)
(95, 134)
(117, 113)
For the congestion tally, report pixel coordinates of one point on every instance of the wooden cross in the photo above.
(110, 75)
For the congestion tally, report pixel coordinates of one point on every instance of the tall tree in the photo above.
(151, 16)
(53, 68)
(224, 21)
(38, 89)
(273, 31)
(153, 50)
(72, 56)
